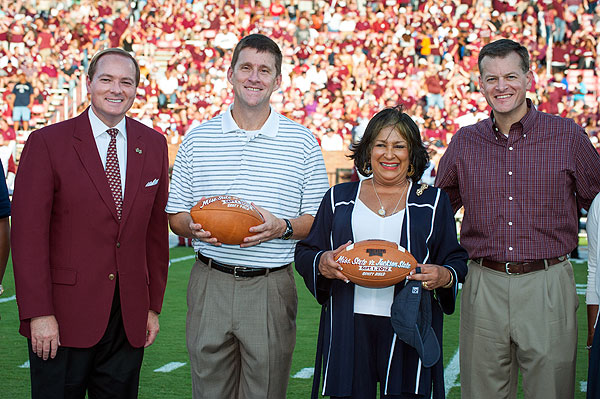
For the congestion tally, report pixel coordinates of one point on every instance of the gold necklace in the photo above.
(381, 210)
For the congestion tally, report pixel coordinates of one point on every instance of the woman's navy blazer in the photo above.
(429, 234)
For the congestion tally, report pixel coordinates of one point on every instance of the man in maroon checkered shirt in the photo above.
(521, 176)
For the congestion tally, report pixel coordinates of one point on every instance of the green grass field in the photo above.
(170, 345)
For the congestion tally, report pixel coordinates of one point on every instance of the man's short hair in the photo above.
(262, 44)
(119, 51)
(501, 48)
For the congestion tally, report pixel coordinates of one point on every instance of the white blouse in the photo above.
(368, 225)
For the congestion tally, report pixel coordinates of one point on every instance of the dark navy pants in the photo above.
(593, 385)
(372, 338)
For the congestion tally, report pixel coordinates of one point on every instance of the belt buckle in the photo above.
(235, 271)
(506, 264)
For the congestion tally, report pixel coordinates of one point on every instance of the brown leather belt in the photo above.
(520, 267)
(238, 271)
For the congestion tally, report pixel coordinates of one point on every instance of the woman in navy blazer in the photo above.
(357, 346)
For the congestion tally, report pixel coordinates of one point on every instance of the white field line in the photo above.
(451, 373)
(164, 369)
(10, 298)
(305, 373)
(183, 258)
(167, 368)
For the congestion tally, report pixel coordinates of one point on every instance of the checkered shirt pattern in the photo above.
(113, 173)
(520, 193)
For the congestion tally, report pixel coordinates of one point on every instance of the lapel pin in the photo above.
(139, 151)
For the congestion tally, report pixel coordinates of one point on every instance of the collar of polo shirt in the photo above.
(269, 129)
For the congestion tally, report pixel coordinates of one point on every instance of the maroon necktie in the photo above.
(113, 172)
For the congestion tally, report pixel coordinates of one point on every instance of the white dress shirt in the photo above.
(103, 139)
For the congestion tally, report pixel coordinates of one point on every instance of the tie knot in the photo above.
(113, 132)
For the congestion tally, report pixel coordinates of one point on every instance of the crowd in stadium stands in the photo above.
(343, 60)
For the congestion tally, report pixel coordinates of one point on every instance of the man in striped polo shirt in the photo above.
(241, 328)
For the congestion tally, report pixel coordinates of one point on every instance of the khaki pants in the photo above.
(241, 333)
(518, 322)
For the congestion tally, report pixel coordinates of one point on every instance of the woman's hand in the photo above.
(330, 268)
(432, 276)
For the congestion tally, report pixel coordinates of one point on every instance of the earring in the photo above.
(410, 171)
(368, 169)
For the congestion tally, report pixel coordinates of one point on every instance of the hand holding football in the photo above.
(375, 263)
(228, 218)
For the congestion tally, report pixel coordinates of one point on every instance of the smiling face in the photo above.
(254, 78)
(112, 89)
(389, 157)
(504, 85)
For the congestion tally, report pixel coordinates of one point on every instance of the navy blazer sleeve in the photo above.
(4, 200)
(310, 250)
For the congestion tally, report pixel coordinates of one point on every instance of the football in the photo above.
(228, 218)
(375, 263)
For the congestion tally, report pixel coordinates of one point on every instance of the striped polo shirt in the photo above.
(280, 169)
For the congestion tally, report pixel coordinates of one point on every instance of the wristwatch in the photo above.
(289, 231)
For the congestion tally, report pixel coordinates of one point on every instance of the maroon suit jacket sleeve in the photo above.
(68, 244)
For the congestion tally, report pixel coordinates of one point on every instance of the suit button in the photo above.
(111, 277)
(118, 245)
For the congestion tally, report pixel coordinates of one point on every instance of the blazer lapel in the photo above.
(135, 162)
(87, 150)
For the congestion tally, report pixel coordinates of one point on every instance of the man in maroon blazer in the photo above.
(90, 241)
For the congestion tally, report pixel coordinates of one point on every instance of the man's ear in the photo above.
(229, 74)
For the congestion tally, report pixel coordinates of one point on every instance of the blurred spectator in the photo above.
(276, 9)
(22, 97)
(332, 141)
(8, 152)
(469, 118)
(587, 55)
(580, 90)
(168, 85)
(429, 174)
(302, 33)
(434, 90)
